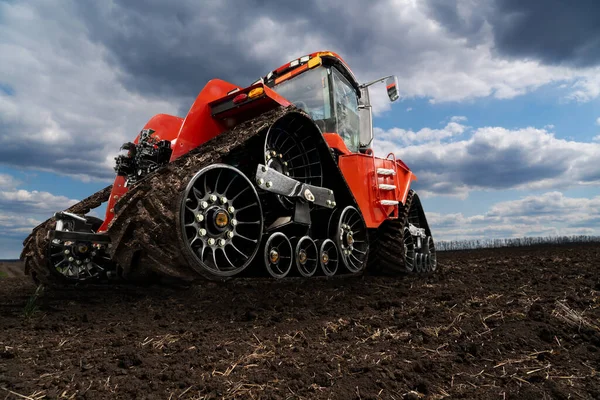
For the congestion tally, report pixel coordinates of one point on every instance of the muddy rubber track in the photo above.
(387, 255)
(145, 233)
(35, 246)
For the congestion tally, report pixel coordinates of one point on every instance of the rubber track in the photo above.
(387, 243)
(145, 232)
(35, 246)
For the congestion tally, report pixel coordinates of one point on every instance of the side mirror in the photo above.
(391, 84)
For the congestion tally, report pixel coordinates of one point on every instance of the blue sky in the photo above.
(499, 113)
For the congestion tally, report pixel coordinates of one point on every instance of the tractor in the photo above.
(277, 179)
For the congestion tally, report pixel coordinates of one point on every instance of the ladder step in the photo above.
(385, 171)
(384, 186)
(389, 202)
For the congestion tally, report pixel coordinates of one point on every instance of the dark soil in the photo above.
(491, 324)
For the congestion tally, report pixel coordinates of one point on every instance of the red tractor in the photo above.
(277, 179)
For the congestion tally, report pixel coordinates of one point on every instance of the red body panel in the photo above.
(335, 141)
(360, 171)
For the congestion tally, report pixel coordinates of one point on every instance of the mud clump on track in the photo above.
(510, 323)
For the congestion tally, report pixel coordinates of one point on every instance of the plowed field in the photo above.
(490, 324)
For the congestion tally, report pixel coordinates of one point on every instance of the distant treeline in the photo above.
(451, 245)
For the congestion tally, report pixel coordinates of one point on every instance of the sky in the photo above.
(499, 114)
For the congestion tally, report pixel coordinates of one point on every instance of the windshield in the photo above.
(310, 92)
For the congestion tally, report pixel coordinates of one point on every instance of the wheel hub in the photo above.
(277, 162)
(221, 219)
(324, 258)
(302, 256)
(82, 248)
(274, 256)
(349, 238)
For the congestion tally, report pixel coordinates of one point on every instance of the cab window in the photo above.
(346, 111)
(309, 91)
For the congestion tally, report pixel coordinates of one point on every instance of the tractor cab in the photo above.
(323, 86)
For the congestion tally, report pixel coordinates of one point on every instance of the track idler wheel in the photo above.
(409, 251)
(350, 235)
(292, 152)
(306, 254)
(76, 260)
(221, 220)
(328, 257)
(278, 255)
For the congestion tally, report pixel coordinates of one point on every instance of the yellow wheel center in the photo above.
(273, 256)
(349, 238)
(82, 248)
(325, 258)
(221, 219)
(302, 257)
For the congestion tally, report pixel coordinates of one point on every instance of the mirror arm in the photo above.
(364, 85)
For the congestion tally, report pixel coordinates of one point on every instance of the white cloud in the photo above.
(21, 210)
(7, 182)
(550, 213)
(491, 158)
(69, 109)
(598, 121)
(32, 201)
(404, 136)
(409, 109)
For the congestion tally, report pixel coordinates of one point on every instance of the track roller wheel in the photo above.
(328, 257)
(420, 266)
(278, 255)
(221, 221)
(431, 255)
(350, 235)
(409, 251)
(306, 256)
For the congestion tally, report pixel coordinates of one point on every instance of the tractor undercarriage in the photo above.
(263, 199)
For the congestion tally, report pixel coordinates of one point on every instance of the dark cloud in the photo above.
(174, 48)
(81, 79)
(552, 31)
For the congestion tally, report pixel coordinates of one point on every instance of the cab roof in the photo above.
(304, 63)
